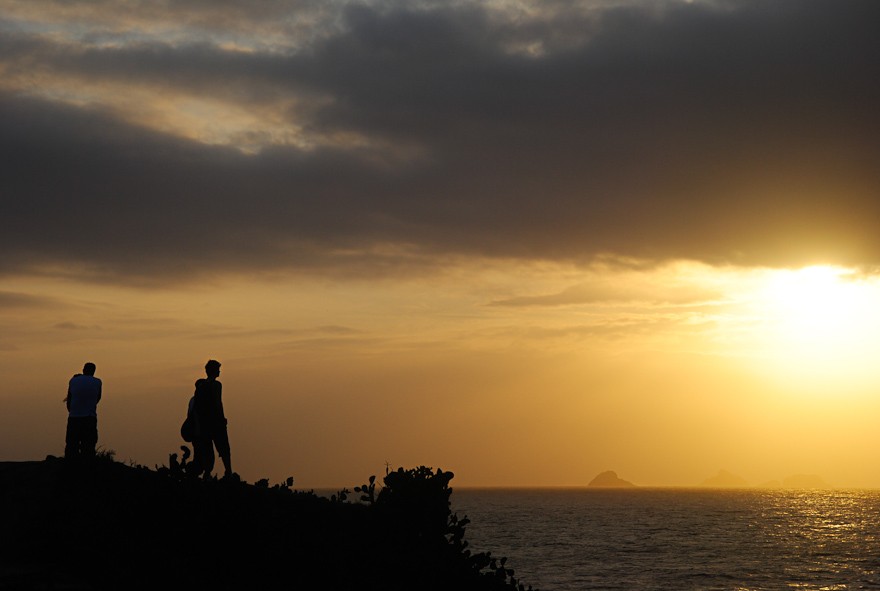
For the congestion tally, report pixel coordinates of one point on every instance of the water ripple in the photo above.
(659, 539)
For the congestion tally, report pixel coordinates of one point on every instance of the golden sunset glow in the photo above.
(822, 321)
(820, 304)
(527, 242)
(568, 360)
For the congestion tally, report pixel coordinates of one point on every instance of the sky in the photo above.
(524, 241)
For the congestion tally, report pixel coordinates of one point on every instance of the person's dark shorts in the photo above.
(221, 441)
(81, 436)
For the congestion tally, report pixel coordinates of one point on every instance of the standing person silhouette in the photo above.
(83, 395)
(208, 409)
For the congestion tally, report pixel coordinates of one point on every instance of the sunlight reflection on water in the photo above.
(679, 538)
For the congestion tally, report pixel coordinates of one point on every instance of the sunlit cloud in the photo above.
(540, 131)
(276, 26)
(226, 116)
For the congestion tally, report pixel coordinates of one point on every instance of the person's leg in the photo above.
(207, 458)
(221, 440)
(227, 464)
(89, 436)
(71, 446)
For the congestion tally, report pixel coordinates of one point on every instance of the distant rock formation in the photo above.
(804, 481)
(609, 479)
(725, 479)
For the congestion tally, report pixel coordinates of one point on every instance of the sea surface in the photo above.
(678, 539)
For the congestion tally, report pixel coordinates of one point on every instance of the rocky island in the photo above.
(609, 479)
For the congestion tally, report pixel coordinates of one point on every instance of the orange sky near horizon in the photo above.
(506, 375)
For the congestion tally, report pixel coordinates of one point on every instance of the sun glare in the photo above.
(821, 319)
(815, 303)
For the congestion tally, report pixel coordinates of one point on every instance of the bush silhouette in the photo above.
(107, 525)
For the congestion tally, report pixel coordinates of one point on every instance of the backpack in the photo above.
(188, 429)
(190, 426)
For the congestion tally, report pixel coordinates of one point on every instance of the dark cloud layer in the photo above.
(728, 132)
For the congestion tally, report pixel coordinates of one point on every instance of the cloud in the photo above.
(613, 327)
(604, 292)
(399, 137)
(10, 300)
(67, 325)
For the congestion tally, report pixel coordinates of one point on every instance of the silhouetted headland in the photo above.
(107, 525)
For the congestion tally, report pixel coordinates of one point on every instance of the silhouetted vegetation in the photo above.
(106, 525)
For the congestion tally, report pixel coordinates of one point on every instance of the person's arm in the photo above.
(99, 391)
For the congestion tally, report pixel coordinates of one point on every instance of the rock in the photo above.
(609, 479)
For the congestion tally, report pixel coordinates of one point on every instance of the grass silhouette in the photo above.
(107, 525)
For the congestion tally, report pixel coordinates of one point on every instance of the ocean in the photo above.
(678, 539)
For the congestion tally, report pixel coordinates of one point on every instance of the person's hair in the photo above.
(89, 369)
(212, 363)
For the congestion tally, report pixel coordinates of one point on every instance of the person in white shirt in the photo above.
(83, 395)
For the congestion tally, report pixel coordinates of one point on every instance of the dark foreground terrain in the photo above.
(107, 525)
